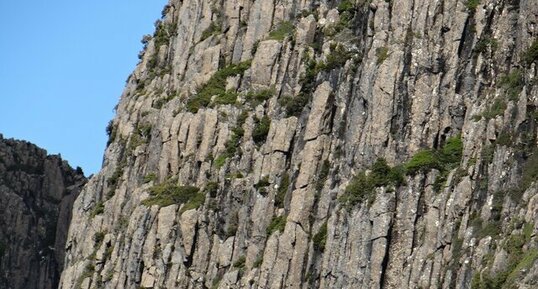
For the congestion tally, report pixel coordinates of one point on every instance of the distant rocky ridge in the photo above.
(37, 192)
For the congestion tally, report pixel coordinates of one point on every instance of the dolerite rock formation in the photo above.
(37, 192)
(320, 144)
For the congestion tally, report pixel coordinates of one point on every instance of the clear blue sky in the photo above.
(63, 66)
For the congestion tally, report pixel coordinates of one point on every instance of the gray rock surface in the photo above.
(271, 108)
(37, 192)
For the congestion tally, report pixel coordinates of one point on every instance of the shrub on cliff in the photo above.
(168, 193)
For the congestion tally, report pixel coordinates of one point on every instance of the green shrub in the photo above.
(233, 144)
(513, 84)
(98, 209)
(212, 189)
(262, 183)
(362, 186)
(194, 202)
(98, 238)
(293, 106)
(213, 29)
(423, 161)
(531, 54)
(382, 53)
(159, 103)
(472, 4)
(259, 96)
(337, 58)
(111, 131)
(258, 262)
(220, 161)
(149, 178)
(497, 108)
(261, 129)
(228, 97)
(383, 175)
(240, 262)
(283, 30)
(443, 160)
(216, 85)
(282, 190)
(116, 175)
(487, 42)
(277, 224)
(323, 175)
(167, 193)
(163, 33)
(529, 171)
(518, 261)
(346, 6)
(320, 238)
(358, 190)
(452, 151)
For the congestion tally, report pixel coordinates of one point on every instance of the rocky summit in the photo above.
(37, 192)
(304, 144)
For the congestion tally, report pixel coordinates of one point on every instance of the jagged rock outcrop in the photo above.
(37, 192)
(320, 144)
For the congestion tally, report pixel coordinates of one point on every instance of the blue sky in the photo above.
(63, 66)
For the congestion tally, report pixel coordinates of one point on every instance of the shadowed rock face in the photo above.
(37, 192)
(335, 144)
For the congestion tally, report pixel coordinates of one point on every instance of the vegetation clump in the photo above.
(472, 4)
(347, 10)
(259, 96)
(240, 262)
(261, 185)
(261, 129)
(362, 186)
(513, 83)
(531, 54)
(149, 178)
(277, 224)
(320, 238)
(293, 106)
(111, 131)
(283, 30)
(496, 108)
(337, 58)
(487, 42)
(529, 173)
(518, 261)
(216, 86)
(168, 193)
(444, 159)
(213, 29)
(282, 190)
(163, 33)
(382, 53)
(98, 209)
(323, 175)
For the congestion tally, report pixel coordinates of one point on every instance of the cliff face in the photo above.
(320, 144)
(36, 197)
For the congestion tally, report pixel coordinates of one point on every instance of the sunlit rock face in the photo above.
(320, 144)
